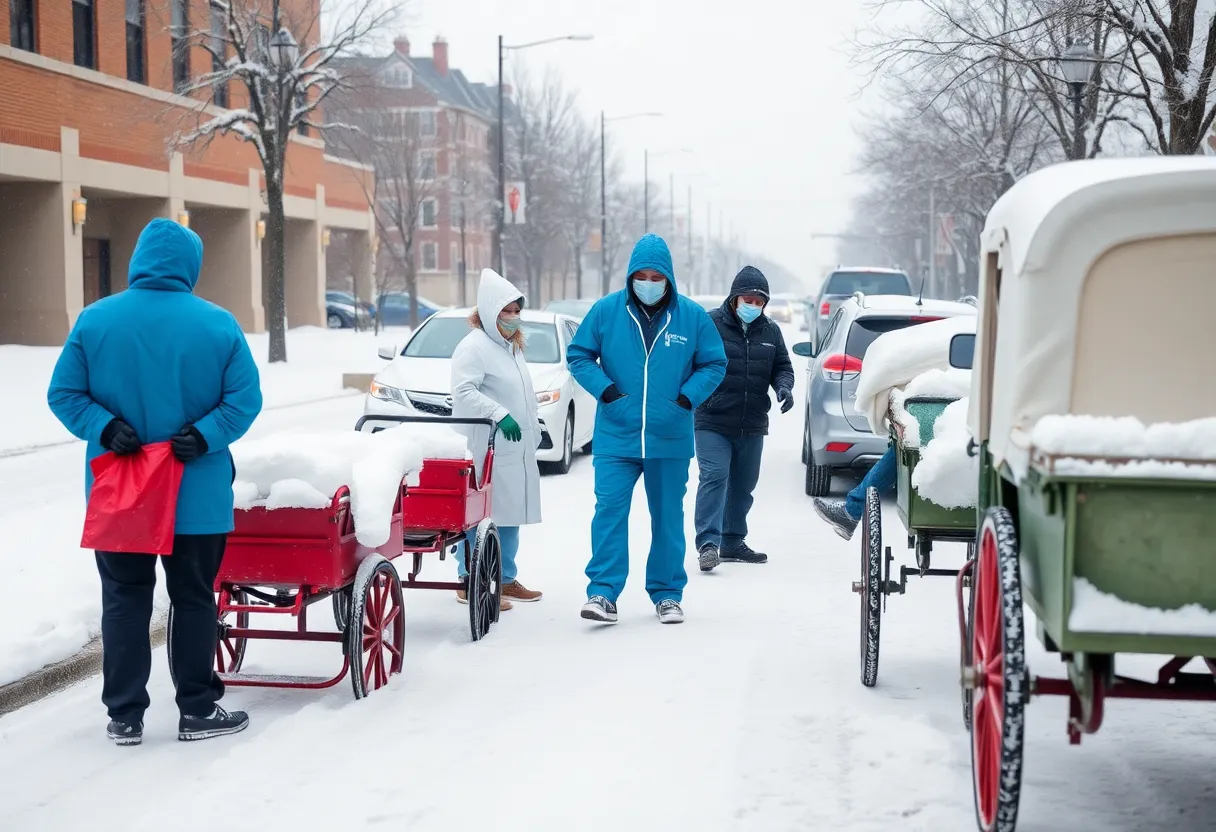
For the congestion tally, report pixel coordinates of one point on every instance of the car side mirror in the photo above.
(962, 351)
(388, 353)
(804, 349)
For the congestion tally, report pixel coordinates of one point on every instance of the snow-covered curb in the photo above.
(1095, 611)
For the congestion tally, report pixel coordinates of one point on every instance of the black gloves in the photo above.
(610, 394)
(683, 402)
(786, 398)
(188, 444)
(120, 438)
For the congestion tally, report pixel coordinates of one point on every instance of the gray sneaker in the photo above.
(669, 611)
(834, 514)
(708, 557)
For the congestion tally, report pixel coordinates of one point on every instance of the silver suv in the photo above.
(845, 282)
(835, 436)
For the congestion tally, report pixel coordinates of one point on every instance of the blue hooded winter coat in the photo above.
(161, 359)
(685, 357)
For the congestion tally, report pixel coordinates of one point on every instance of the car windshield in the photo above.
(438, 337)
(870, 283)
(865, 330)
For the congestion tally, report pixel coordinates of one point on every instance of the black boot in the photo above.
(742, 553)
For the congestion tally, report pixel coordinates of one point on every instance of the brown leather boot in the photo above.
(518, 592)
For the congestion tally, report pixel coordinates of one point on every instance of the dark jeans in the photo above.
(880, 476)
(730, 469)
(127, 582)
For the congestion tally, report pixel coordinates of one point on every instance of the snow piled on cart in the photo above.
(935, 384)
(1095, 611)
(946, 474)
(305, 470)
(1108, 446)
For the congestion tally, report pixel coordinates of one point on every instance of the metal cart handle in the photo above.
(437, 420)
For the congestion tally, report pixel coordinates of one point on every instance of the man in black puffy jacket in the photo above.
(732, 424)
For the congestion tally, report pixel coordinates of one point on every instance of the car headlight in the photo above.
(548, 397)
(388, 394)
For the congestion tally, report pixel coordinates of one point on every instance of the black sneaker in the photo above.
(598, 608)
(742, 553)
(834, 514)
(125, 733)
(708, 557)
(219, 724)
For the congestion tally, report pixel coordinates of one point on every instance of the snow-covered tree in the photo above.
(279, 69)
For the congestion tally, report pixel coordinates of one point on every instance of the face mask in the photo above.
(509, 326)
(748, 313)
(649, 292)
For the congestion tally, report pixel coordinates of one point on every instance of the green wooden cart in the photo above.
(924, 520)
(1103, 529)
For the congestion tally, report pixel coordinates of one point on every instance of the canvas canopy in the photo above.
(1097, 285)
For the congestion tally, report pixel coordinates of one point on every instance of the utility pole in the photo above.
(646, 191)
(464, 291)
(603, 212)
(671, 185)
(932, 248)
(500, 200)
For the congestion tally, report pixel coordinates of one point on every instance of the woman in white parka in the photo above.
(490, 380)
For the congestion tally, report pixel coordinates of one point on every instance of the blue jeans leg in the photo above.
(881, 476)
(713, 461)
(615, 479)
(666, 483)
(744, 474)
(509, 535)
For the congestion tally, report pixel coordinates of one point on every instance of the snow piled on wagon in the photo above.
(935, 384)
(1095, 611)
(1108, 446)
(946, 474)
(305, 470)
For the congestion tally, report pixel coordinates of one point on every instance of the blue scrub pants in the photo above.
(666, 481)
(509, 535)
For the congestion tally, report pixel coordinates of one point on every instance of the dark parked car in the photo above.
(332, 296)
(395, 309)
(344, 315)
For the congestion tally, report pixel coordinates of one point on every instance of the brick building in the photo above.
(451, 123)
(86, 113)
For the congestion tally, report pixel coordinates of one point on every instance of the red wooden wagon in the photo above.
(282, 561)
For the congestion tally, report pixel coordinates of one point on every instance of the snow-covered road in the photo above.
(750, 716)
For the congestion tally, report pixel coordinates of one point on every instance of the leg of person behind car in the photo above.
(713, 464)
(744, 474)
(666, 484)
(844, 515)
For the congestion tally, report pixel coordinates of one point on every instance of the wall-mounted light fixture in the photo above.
(325, 238)
(80, 212)
(261, 229)
(183, 219)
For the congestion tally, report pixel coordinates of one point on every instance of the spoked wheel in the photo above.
(341, 601)
(871, 587)
(229, 651)
(375, 633)
(485, 580)
(998, 671)
(966, 634)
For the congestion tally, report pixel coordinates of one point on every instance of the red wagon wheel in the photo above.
(375, 633)
(998, 671)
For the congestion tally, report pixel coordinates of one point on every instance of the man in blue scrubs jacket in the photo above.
(650, 357)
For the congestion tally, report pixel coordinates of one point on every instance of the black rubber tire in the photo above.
(871, 588)
(1016, 691)
(806, 439)
(562, 466)
(485, 580)
(341, 601)
(818, 481)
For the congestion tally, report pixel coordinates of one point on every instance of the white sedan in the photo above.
(417, 381)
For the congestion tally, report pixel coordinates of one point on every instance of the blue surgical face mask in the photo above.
(510, 325)
(649, 292)
(748, 313)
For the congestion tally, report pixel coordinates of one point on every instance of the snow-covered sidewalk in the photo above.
(317, 360)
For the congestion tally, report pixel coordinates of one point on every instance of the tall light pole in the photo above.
(646, 181)
(501, 200)
(604, 278)
(1078, 63)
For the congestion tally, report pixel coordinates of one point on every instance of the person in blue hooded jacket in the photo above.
(650, 357)
(158, 364)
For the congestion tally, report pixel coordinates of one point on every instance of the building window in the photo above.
(430, 257)
(219, 55)
(21, 24)
(426, 165)
(179, 33)
(429, 214)
(135, 42)
(427, 123)
(82, 33)
(399, 77)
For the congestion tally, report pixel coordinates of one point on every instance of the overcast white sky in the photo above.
(759, 90)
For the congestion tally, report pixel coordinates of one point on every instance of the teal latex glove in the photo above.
(510, 429)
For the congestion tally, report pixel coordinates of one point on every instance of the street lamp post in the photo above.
(1077, 64)
(646, 182)
(501, 200)
(604, 278)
